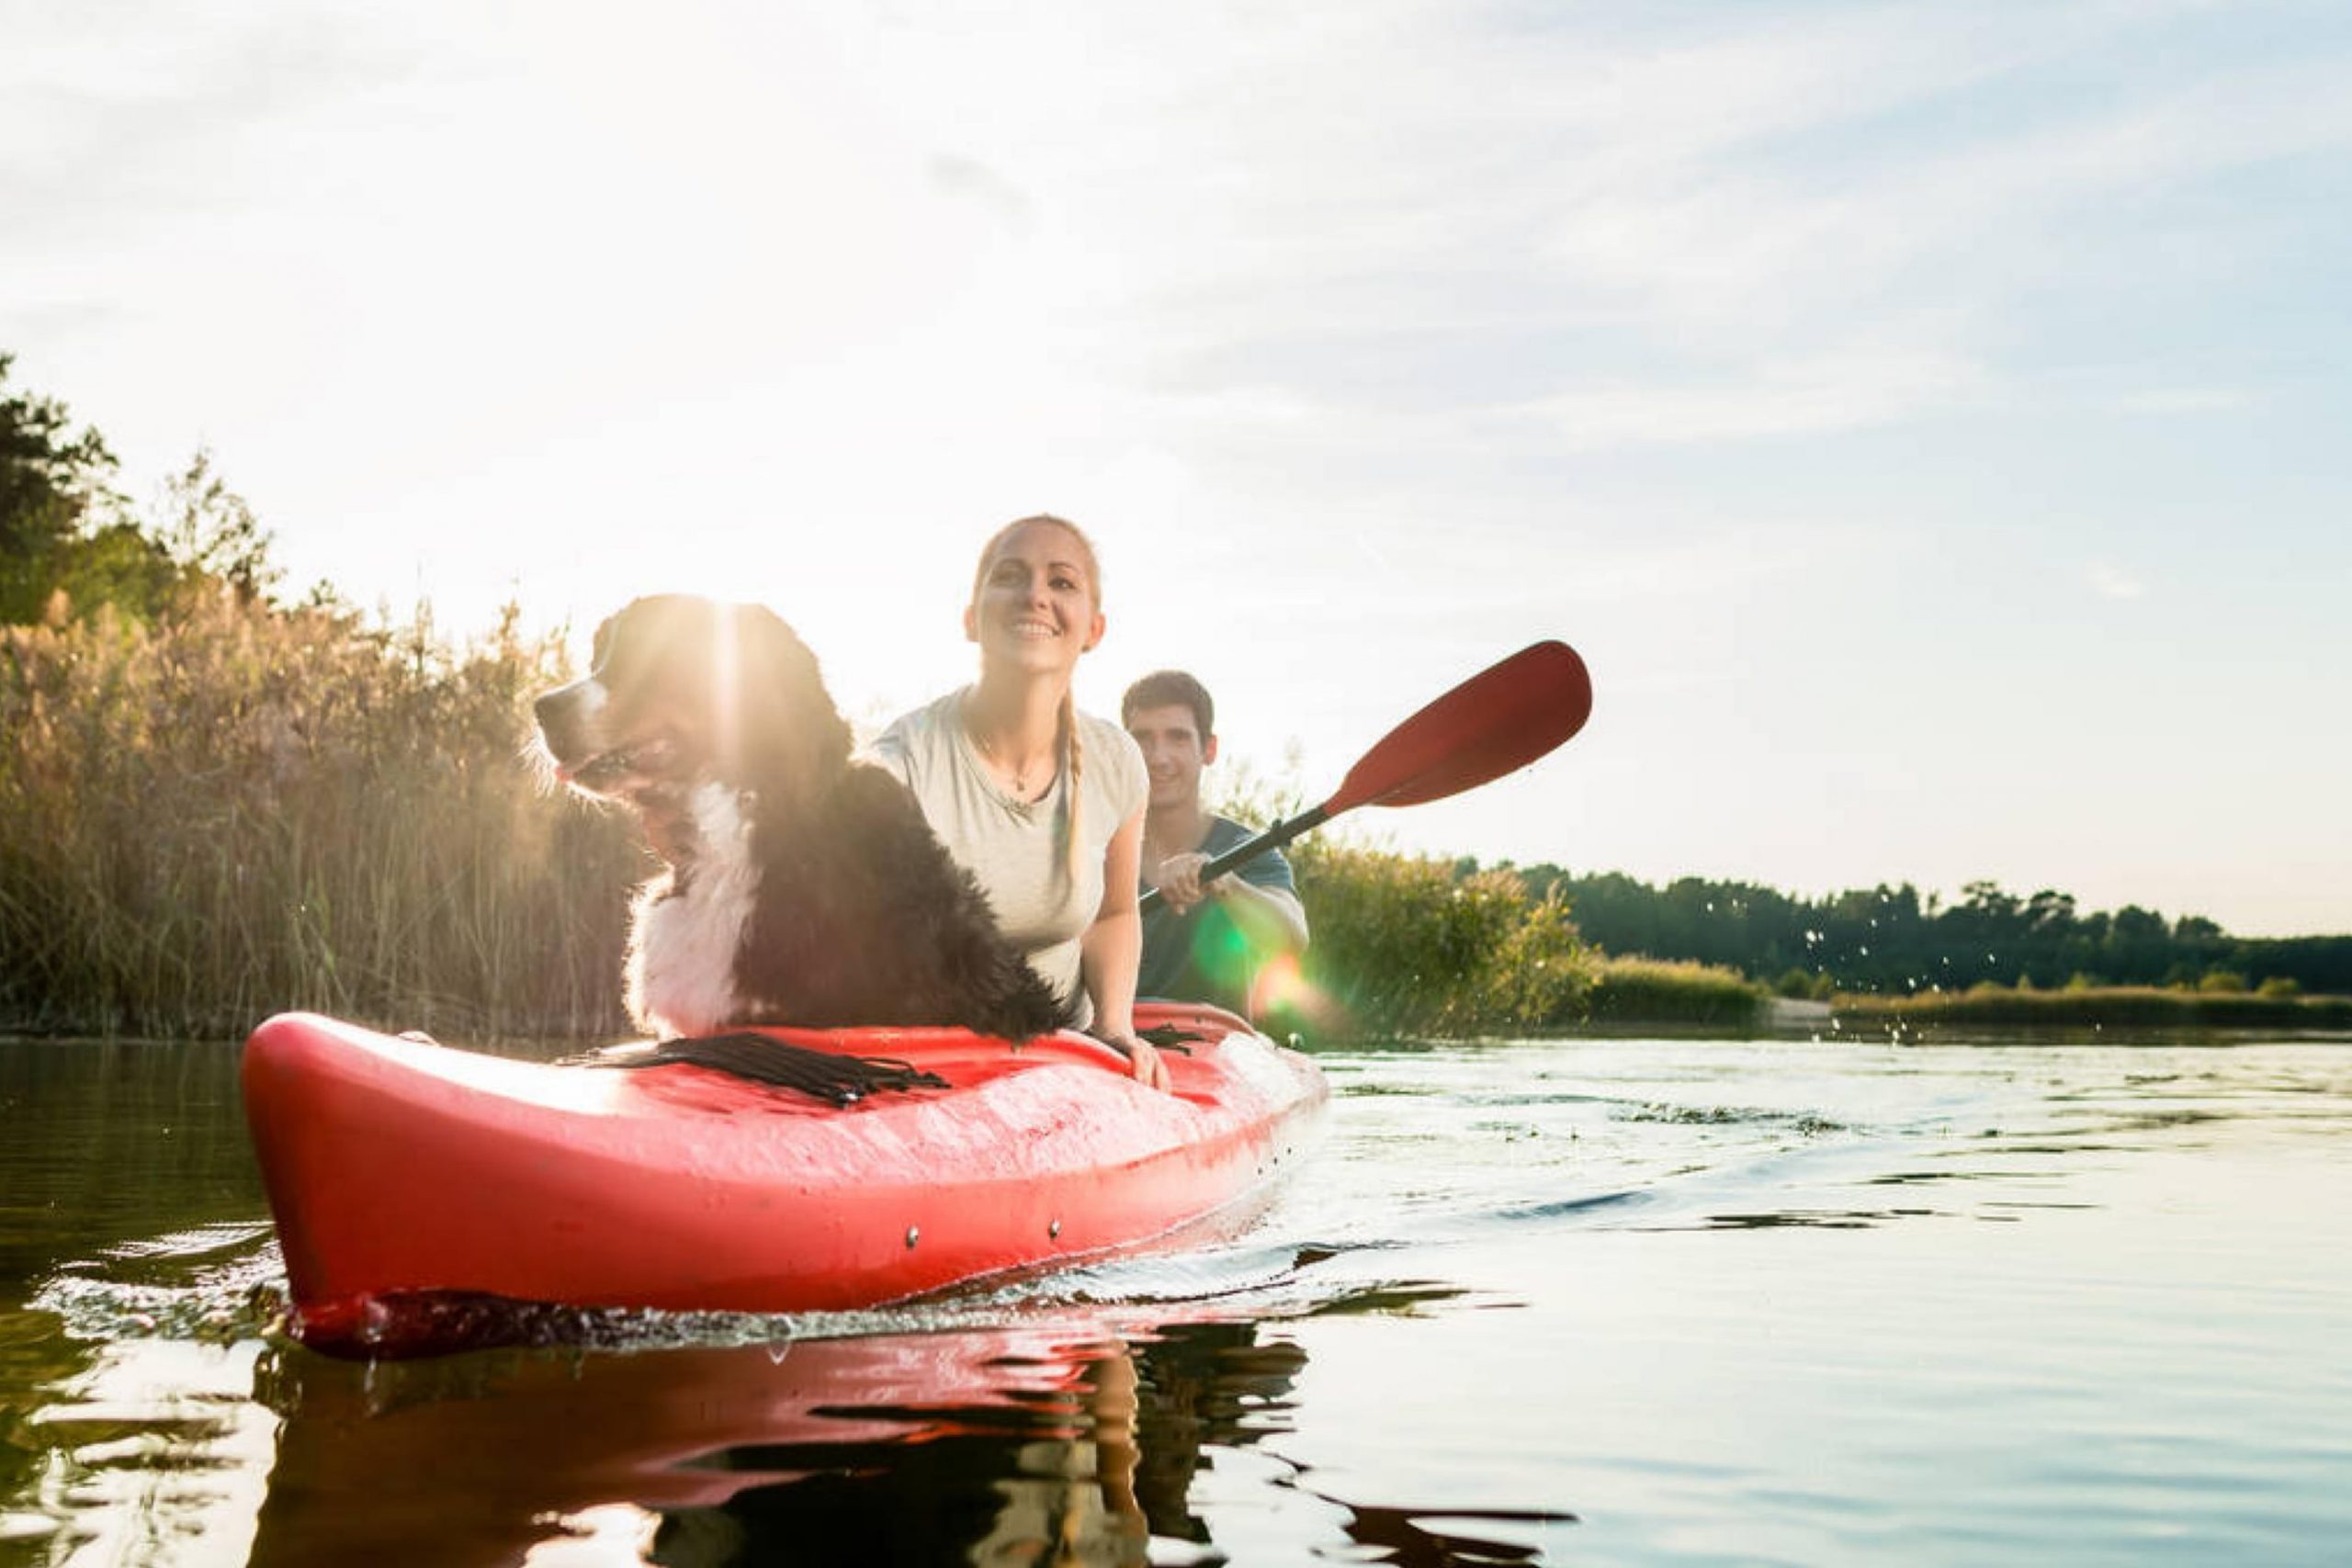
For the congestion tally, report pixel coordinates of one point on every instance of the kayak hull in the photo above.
(400, 1170)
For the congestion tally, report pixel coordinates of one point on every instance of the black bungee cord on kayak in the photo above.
(837, 1077)
(833, 1077)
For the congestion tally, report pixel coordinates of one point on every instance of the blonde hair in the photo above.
(1068, 739)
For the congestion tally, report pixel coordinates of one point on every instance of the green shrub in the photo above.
(1804, 985)
(2220, 982)
(1402, 945)
(1541, 974)
(2278, 986)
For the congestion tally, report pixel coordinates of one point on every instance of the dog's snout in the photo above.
(564, 717)
(550, 711)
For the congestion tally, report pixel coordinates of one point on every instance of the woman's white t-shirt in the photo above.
(1015, 848)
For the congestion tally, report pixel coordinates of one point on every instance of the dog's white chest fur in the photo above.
(683, 942)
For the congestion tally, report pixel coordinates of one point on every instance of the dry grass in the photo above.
(242, 809)
(2097, 1007)
(1653, 990)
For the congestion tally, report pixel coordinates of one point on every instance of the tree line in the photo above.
(70, 542)
(1896, 941)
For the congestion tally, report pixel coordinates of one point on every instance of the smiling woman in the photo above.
(1043, 804)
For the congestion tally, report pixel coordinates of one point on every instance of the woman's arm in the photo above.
(1112, 946)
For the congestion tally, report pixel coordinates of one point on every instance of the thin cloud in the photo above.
(2110, 581)
(126, 113)
(1412, 213)
(1832, 392)
(969, 178)
(2186, 399)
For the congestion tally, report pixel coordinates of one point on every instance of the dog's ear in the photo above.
(790, 732)
(644, 640)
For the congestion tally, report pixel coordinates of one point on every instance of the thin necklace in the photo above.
(1018, 774)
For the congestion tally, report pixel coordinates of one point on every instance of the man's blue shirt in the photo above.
(1202, 957)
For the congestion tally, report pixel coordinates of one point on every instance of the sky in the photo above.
(1929, 421)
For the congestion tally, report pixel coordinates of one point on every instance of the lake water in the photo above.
(1625, 1301)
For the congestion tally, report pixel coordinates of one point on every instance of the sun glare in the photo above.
(1281, 991)
(727, 678)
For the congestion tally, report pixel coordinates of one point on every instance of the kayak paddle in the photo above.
(1496, 722)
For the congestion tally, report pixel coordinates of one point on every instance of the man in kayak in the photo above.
(1203, 943)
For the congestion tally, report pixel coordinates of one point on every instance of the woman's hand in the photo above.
(1142, 1056)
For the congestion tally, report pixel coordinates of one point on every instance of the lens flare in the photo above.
(1282, 999)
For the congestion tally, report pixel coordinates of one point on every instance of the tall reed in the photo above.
(242, 809)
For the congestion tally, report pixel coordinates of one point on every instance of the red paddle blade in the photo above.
(1496, 722)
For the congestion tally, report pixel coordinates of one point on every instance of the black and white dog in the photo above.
(802, 887)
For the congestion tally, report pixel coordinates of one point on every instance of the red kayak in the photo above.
(405, 1174)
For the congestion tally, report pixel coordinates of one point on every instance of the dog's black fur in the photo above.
(803, 886)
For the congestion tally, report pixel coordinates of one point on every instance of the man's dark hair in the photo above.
(1168, 688)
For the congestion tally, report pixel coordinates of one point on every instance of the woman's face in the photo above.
(1035, 608)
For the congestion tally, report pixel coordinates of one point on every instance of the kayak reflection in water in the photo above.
(1087, 1476)
(1063, 1442)
(1041, 803)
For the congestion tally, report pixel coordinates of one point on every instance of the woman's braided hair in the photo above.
(1069, 739)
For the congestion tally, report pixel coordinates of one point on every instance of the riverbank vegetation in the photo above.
(220, 807)
(234, 809)
(1402, 945)
(2083, 1008)
(216, 803)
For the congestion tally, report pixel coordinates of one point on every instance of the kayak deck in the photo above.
(399, 1170)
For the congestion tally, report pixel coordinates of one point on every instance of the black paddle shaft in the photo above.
(1498, 720)
(1273, 837)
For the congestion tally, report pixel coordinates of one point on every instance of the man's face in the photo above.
(1173, 751)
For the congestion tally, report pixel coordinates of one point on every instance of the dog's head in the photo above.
(682, 691)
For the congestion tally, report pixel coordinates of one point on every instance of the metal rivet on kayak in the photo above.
(1053, 1231)
(913, 1236)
